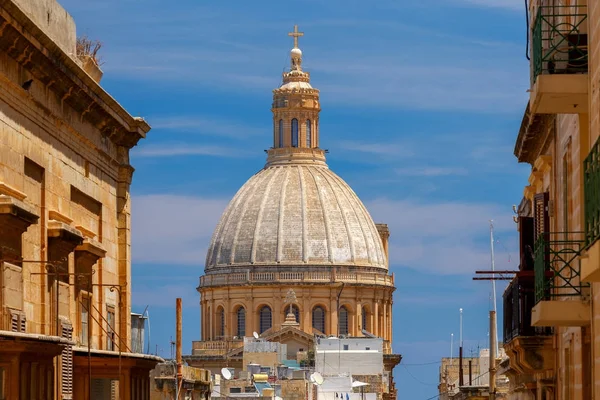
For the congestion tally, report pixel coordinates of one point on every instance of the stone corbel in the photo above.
(62, 240)
(536, 179)
(87, 255)
(15, 217)
(529, 192)
(543, 163)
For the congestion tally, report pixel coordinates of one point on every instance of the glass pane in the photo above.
(241, 317)
(318, 319)
(280, 133)
(294, 132)
(343, 321)
(265, 319)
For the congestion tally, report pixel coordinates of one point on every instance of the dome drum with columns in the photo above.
(295, 225)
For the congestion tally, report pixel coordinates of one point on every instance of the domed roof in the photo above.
(295, 214)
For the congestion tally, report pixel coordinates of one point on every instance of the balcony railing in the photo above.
(591, 190)
(560, 40)
(519, 299)
(556, 265)
(264, 277)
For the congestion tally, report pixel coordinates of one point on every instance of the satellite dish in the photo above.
(226, 373)
(358, 384)
(255, 334)
(316, 378)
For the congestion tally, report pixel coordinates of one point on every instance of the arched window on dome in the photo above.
(294, 132)
(295, 311)
(308, 134)
(365, 319)
(280, 133)
(318, 319)
(241, 322)
(220, 322)
(265, 319)
(343, 320)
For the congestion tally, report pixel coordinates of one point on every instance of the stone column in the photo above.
(376, 318)
(229, 328)
(333, 317)
(202, 313)
(306, 323)
(384, 330)
(124, 249)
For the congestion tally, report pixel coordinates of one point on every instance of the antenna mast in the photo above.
(493, 282)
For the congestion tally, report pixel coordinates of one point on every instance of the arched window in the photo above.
(308, 134)
(318, 319)
(343, 320)
(280, 133)
(294, 132)
(365, 319)
(220, 322)
(241, 322)
(265, 319)
(295, 311)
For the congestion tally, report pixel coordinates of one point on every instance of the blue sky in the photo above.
(421, 106)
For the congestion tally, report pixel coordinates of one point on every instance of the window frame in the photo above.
(269, 319)
(315, 321)
(294, 132)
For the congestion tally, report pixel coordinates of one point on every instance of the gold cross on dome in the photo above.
(295, 35)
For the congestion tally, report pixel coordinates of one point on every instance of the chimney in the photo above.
(384, 234)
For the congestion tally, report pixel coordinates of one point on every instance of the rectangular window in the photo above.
(345, 347)
(84, 307)
(110, 328)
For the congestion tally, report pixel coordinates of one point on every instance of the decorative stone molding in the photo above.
(11, 192)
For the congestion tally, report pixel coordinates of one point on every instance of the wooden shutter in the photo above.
(526, 243)
(14, 321)
(67, 363)
(18, 321)
(540, 213)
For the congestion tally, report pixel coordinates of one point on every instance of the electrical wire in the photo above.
(418, 380)
(428, 363)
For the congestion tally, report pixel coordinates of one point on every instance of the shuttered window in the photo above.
(540, 210)
(67, 363)
(18, 322)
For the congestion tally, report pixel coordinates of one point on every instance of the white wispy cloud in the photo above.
(174, 150)
(444, 237)
(515, 5)
(380, 149)
(427, 171)
(203, 125)
(173, 229)
(433, 70)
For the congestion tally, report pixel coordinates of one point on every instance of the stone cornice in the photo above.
(26, 43)
(533, 133)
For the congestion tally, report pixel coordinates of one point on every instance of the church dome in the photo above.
(292, 215)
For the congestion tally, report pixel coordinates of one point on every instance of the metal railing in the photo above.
(559, 40)
(519, 299)
(591, 194)
(557, 267)
(240, 278)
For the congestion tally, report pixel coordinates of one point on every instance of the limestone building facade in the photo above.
(294, 227)
(552, 306)
(65, 261)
